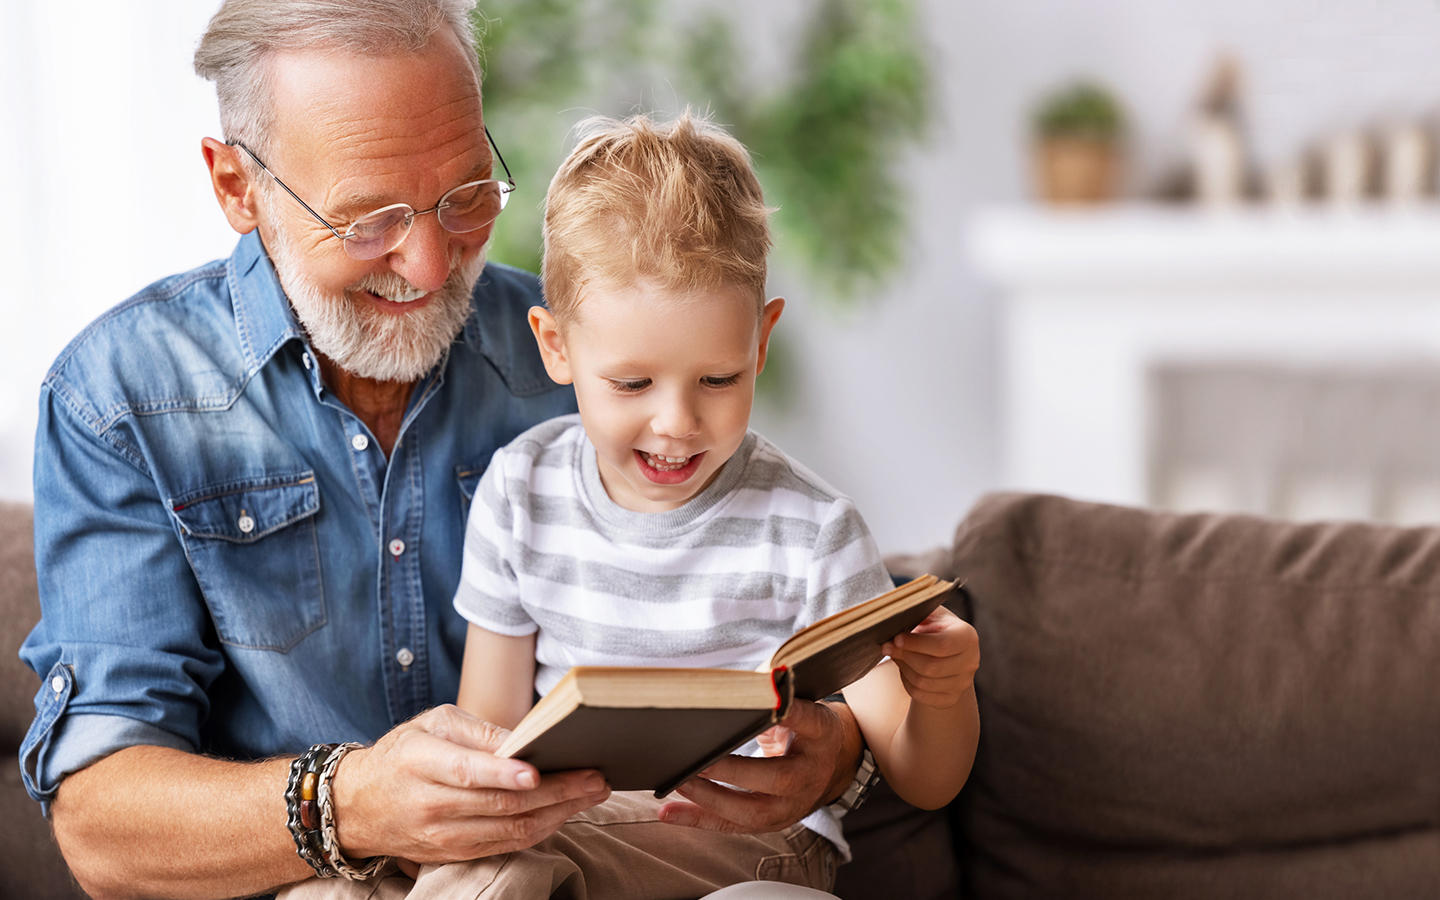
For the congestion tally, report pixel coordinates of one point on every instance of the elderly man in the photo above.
(251, 481)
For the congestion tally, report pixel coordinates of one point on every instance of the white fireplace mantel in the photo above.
(1089, 299)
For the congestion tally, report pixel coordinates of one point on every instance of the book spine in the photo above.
(784, 687)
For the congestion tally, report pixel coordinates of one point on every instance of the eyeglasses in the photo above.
(466, 208)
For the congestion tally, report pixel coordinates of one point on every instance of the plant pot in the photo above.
(1077, 170)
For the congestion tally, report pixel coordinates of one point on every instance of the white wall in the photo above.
(105, 189)
(898, 402)
(923, 357)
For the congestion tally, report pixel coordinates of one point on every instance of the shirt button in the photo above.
(405, 657)
(397, 547)
(360, 442)
(305, 358)
(57, 684)
(245, 523)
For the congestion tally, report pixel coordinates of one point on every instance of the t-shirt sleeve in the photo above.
(489, 592)
(845, 565)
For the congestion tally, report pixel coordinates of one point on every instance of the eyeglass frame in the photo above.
(509, 180)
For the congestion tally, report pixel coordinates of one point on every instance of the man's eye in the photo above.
(629, 386)
(719, 381)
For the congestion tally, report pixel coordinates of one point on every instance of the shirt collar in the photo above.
(263, 317)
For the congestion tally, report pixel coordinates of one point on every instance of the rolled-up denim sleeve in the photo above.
(124, 647)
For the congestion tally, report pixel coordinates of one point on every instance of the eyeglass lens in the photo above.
(463, 209)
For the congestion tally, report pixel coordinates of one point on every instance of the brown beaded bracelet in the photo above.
(302, 810)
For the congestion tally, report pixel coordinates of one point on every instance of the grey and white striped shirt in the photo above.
(764, 550)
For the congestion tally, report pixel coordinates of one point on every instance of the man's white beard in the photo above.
(365, 341)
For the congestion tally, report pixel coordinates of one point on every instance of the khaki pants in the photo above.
(617, 849)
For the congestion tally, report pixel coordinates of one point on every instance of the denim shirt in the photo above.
(228, 563)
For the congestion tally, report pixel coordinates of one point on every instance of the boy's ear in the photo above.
(768, 317)
(233, 187)
(552, 346)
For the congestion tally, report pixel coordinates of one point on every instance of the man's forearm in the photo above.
(158, 822)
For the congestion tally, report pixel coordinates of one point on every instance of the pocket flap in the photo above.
(247, 511)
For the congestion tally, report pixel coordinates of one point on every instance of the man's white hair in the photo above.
(242, 36)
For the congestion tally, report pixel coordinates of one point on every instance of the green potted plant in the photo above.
(1078, 134)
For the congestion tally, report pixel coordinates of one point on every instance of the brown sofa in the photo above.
(1189, 706)
(32, 865)
(1171, 706)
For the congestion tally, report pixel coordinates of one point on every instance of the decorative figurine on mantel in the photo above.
(1217, 150)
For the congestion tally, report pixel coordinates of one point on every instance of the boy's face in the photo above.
(664, 382)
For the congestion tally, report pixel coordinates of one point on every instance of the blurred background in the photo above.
(1182, 254)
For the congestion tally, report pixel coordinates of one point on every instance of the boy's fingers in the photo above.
(952, 641)
(939, 619)
(929, 666)
(941, 692)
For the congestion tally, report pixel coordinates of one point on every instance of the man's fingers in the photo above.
(772, 792)
(759, 775)
(461, 837)
(436, 759)
(557, 790)
(503, 835)
(719, 808)
(679, 812)
(453, 724)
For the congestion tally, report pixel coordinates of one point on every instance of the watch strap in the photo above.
(866, 775)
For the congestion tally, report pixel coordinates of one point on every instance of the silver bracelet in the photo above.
(329, 842)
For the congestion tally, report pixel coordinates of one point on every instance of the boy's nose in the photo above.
(676, 419)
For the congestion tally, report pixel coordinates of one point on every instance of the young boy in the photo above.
(655, 529)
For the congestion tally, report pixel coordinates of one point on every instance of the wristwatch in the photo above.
(865, 777)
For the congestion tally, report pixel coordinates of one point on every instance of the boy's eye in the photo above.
(628, 385)
(720, 380)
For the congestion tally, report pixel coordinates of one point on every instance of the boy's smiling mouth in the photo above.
(668, 469)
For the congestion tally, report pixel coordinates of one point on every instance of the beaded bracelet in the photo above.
(329, 841)
(301, 811)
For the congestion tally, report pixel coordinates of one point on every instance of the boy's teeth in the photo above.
(666, 462)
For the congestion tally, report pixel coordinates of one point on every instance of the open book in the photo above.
(652, 728)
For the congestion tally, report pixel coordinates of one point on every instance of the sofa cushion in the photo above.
(37, 869)
(19, 610)
(1200, 705)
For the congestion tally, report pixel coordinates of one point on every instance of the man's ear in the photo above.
(551, 344)
(233, 187)
(768, 317)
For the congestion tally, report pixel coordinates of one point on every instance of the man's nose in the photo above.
(424, 258)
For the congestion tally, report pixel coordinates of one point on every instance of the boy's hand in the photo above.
(937, 659)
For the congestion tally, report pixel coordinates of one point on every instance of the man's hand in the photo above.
(776, 792)
(431, 790)
(937, 659)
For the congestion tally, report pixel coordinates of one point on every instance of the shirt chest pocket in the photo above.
(254, 551)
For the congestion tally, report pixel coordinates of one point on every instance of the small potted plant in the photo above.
(1078, 132)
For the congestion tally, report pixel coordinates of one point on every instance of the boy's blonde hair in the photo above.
(674, 203)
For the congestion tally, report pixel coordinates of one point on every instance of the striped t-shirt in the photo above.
(720, 582)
